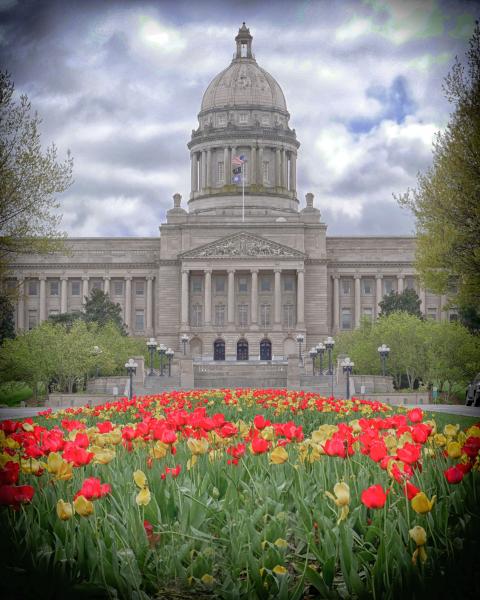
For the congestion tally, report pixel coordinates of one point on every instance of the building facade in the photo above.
(245, 266)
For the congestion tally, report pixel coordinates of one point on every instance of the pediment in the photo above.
(242, 245)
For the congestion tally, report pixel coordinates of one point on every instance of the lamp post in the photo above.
(131, 367)
(300, 339)
(96, 352)
(329, 344)
(152, 346)
(313, 354)
(169, 353)
(161, 352)
(320, 348)
(384, 351)
(184, 342)
(347, 366)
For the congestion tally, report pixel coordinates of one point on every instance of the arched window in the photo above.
(218, 350)
(265, 350)
(242, 350)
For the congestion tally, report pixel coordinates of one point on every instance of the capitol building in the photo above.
(240, 267)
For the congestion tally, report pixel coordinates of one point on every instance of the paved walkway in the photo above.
(453, 409)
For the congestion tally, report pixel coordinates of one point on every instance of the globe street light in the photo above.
(348, 365)
(152, 346)
(329, 344)
(184, 342)
(300, 339)
(96, 353)
(169, 353)
(161, 352)
(131, 367)
(384, 351)
(320, 348)
(313, 354)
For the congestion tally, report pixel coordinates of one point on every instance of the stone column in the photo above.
(422, 294)
(149, 303)
(260, 165)
(400, 283)
(184, 304)
(443, 312)
(300, 298)
(43, 298)
(63, 294)
(357, 279)
(203, 170)
(209, 168)
(253, 166)
(278, 158)
(85, 279)
(254, 298)
(336, 302)
(293, 171)
(208, 296)
(106, 285)
(227, 167)
(379, 295)
(193, 165)
(231, 296)
(283, 183)
(21, 305)
(128, 301)
(277, 296)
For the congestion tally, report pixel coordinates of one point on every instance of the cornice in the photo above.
(371, 265)
(56, 266)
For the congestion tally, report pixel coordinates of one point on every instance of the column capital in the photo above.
(128, 278)
(335, 276)
(401, 276)
(378, 276)
(231, 271)
(301, 270)
(85, 278)
(254, 270)
(185, 271)
(106, 278)
(42, 277)
(277, 269)
(357, 276)
(64, 278)
(150, 277)
(208, 270)
(20, 279)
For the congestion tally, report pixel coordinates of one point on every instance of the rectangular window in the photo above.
(96, 285)
(265, 283)
(221, 120)
(432, 313)
(32, 319)
(243, 315)
(346, 318)
(265, 171)
(221, 172)
(264, 315)
(288, 284)
(410, 283)
(139, 320)
(75, 288)
(242, 285)
(243, 118)
(452, 316)
(346, 286)
(220, 314)
(368, 312)
(388, 286)
(33, 287)
(367, 287)
(139, 288)
(54, 288)
(118, 288)
(220, 285)
(265, 120)
(197, 315)
(196, 285)
(289, 316)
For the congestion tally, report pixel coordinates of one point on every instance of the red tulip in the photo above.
(14, 495)
(260, 422)
(415, 415)
(410, 490)
(93, 489)
(374, 496)
(9, 473)
(259, 445)
(410, 453)
(77, 456)
(453, 475)
(471, 447)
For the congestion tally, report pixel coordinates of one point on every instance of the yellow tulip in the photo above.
(281, 543)
(207, 579)
(4, 458)
(64, 472)
(421, 504)
(140, 478)
(143, 497)
(451, 430)
(279, 570)
(197, 446)
(83, 506)
(27, 427)
(418, 535)
(64, 510)
(159, 450)
(278, 456)
(341, 499)
(30, 466)
(102, 456)
(473, 431)
(54, 462)
(439, 439)
(11, 443)
(454, 449)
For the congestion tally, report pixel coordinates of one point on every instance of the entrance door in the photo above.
(219, 350)
(265, 350)
(242, 350)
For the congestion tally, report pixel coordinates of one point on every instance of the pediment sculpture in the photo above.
(242, 245)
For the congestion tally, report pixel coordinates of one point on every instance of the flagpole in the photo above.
(243, 192)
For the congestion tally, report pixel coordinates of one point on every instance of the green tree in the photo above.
(446, 201)
(101, 310)
(7, 322)
(408, 301)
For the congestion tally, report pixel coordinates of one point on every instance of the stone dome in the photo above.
(243, 83)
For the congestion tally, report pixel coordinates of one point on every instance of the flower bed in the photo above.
(236, 494)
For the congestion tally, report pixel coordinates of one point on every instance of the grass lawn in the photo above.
(14, 392)
(443, 418)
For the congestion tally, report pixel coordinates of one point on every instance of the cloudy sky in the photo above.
(120, 84)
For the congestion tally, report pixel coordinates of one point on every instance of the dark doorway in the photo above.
(242, 350)
(265, 350)
(219, 350)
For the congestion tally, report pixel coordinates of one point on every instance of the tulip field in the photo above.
(237, 494)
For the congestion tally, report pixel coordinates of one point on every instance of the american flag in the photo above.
(237, 161)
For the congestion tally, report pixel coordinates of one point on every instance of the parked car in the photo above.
(472, 397)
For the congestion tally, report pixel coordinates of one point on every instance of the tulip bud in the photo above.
(64, 510)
